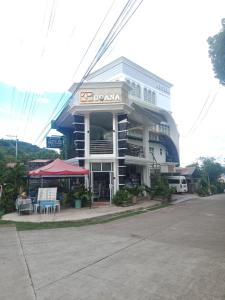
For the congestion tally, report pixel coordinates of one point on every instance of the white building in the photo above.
(118, 124)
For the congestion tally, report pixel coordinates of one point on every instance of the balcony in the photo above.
(101, 147)
(160, 129)
(135, 150)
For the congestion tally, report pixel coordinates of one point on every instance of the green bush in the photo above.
(8, 199)
(203, 191)
(162, 189)
(122, 198)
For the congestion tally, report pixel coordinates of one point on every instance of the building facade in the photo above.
(118, 124)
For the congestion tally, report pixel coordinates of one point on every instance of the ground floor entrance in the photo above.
(101, 186)
(102, 182)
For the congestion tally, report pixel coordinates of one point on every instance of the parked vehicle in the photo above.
(179, 183)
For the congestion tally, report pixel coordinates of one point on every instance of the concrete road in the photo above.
(177, 252)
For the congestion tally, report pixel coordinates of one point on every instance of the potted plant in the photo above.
(82, 197)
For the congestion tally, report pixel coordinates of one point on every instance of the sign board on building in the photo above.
(88, 97)
(54, 141)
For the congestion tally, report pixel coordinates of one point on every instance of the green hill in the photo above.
(25, 151)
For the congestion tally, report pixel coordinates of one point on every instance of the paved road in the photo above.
(174, 253)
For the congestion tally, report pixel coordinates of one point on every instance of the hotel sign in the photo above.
(103, 98)
(54, 141)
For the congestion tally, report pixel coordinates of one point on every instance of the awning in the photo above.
(58, 167)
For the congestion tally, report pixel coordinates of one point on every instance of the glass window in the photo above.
(79, 136)
(122, 135)
(151, 149)
(122, 126)
(122, 152)
(96, 166)
(79, 127)
(154, 98)
(161, 151)
(122, 171)
(122, 117)
(79, 144)
(133, 89)
(173, 181)
(149, 95)
(122, 144)
(80, 153)
(145, 94)
(121, 179)
(121, 162)
(78, 119)
(138, 91)
(106, 167)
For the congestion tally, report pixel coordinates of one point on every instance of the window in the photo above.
(173, 181)
(151, 150)
(138, 91)
(154, 98)
(149, 95)
(133, 92)
(96, 166)
(161, 151)
(145, 94)
(106, 167)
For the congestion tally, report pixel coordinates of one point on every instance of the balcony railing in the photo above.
(134, 150)
(101, 147)
(160, 128)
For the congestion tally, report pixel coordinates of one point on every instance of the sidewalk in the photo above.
(178, 198)
(73, 214)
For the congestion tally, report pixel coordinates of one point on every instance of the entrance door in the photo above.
(101, 186)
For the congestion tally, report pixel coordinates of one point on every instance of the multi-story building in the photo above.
(118, 124)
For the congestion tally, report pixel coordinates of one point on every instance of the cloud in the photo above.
(43, 100)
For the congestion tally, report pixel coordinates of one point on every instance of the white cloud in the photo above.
(43, 100)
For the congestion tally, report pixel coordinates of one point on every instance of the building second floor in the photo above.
(102, 121)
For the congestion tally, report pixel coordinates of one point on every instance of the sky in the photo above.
(42, 44)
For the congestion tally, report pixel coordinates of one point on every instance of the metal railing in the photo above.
(160, 128)
(101, 147)
(134, 150)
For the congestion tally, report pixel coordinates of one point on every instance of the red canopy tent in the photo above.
(58, 168)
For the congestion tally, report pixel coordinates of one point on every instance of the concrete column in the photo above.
(146, 143)
(146, 175)
(115, 135)
(116, 176)
(115, 154)
(87, 134)
(87, 146)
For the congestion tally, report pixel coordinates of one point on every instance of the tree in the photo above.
(211, 168)
(217, 53)
(13, 181)
(211, 172)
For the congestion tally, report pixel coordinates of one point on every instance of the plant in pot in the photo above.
(82, 197)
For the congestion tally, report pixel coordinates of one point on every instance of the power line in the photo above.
(193, 129)
(113, 33)
(199, 115)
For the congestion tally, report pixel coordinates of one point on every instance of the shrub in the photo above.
(122, 198)
(162, 189)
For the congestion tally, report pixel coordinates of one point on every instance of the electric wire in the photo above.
(113, 33)
(81, 61)
(199, 115)
(205, 114)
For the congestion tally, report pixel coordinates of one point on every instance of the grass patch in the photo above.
(21, 226)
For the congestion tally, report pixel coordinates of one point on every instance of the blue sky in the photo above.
(43, 41)
(25, 113)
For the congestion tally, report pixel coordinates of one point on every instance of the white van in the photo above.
(179, 183)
